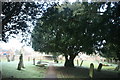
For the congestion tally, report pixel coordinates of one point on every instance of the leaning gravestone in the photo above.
(91, 71)
(99, 67)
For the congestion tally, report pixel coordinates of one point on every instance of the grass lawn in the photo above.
(86, 64)
(83, 71)
(9, 69)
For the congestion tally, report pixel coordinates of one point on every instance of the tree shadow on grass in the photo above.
(63, 72)
(80, 72)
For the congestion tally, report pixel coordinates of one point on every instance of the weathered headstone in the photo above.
(8, 58)
(13, 58)
(91, 71)
(81, 63)
(99, 67)
(33, 61)
(20, 64)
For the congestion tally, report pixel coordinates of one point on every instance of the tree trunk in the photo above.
(69, 62)
(81, 63)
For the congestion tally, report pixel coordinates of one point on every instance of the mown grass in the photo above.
(9, 69)
(83, 71)
(86, 64)
(63, 72)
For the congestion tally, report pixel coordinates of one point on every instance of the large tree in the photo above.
(69, 29)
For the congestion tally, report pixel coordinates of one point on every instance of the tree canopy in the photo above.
(70, 29)
(67, 28)
(78, 27)
(112, 29)
(20, 17)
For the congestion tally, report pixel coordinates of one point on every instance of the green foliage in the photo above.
(68, 29)
(19, 17)
(112, 27)
(79, 27)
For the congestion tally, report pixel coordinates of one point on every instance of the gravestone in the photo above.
(81, 63)
(20, 64)
(13, 58)
(33, 61)
(8, 58)
(91, 71)
(99, 67)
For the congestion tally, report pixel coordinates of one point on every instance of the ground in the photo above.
(9, 69)
(54, 70)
